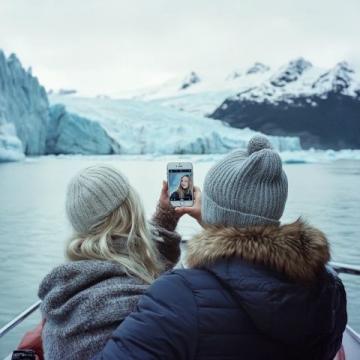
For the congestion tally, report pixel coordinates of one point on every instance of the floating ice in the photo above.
(10, 145)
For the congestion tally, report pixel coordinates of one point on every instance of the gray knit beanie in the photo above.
(246, 188)
(93, 194)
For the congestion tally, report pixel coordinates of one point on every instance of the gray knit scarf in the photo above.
(83, 303)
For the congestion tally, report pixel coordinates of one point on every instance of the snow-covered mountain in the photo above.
(23, 111)
(321, 106)
(138, 127)
(299, 78)
(201, 95)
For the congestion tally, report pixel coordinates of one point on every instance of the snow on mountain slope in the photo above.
(204, 94)
(138, 127)
(300, 79)
(342, 78)
(201, 95)
(321, 107)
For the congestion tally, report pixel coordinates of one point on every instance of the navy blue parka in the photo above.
(260, 293)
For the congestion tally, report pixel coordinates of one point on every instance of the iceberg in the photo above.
(11, 148)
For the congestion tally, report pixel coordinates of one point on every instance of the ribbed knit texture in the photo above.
(246, 188)
(83, 303)
(93, 194)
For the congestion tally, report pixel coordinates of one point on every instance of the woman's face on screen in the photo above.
(184, 182)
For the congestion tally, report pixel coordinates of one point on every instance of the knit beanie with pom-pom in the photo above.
(246, 188)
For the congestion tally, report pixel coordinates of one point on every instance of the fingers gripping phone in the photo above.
(180, 183)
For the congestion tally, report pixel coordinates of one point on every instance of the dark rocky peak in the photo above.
(291, 72)
(342, 77)
(234, 75)
(257, 68)
(336, 80)
(190, 80)
(344, 66)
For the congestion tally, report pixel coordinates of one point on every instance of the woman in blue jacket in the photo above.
(254, 289)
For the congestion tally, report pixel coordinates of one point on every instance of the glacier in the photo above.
(24, 104)
(11, 148)
(137, 127)
(33, 122)
(169, 120)
(69, 133)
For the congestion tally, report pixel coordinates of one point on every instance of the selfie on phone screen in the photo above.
(180, 179)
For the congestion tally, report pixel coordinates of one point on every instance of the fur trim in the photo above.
(297, 250)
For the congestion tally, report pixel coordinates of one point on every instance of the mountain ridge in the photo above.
(321, 106)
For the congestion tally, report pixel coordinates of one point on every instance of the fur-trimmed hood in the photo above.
(276, 274)
(297, 250)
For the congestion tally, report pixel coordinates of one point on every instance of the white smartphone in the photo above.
(180, 183)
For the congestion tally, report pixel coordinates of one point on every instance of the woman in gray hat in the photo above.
(254, 289)
(114, 255)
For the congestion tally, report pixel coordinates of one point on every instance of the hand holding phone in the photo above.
(193, 211)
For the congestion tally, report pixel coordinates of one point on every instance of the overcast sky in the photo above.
(106, 46)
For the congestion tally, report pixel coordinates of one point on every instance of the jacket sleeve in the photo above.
(340, 313)
(163, 327)
(164, 222)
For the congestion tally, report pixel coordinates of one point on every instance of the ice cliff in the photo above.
(72, 134)
(11, 148)
(23, 110)
(137, 127)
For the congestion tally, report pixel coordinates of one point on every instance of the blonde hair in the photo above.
(180, 189)
(124, 237)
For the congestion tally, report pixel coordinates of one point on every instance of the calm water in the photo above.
(33, 227)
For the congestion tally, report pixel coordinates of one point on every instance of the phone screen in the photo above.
(181, 186)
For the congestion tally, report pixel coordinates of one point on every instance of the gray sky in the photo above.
(103, 46)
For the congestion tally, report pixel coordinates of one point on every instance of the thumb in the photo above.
(197, 195)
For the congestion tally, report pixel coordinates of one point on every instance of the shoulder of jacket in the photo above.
(195, 279)
(179, 280)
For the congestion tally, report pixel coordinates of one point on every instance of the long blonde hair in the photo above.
(180, 189)
(124, 236)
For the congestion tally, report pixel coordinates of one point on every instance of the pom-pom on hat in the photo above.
(246, 188)
(258, 143)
